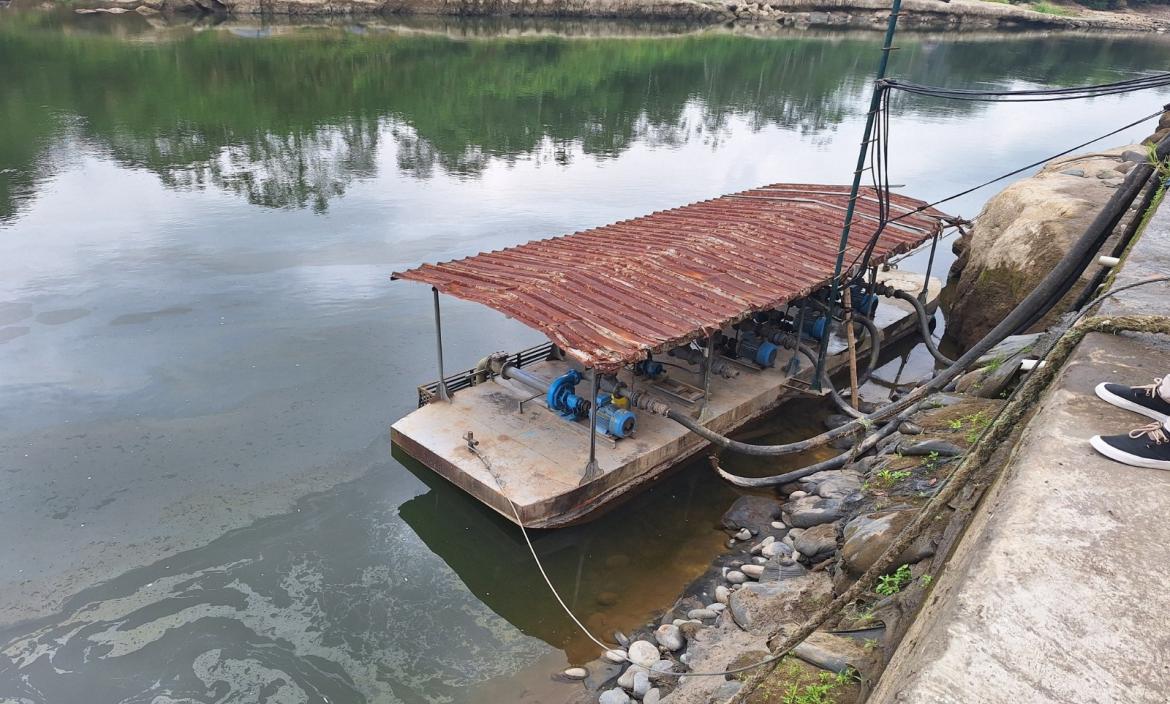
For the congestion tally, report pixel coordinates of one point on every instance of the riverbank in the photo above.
(793, 550)
(857, 14)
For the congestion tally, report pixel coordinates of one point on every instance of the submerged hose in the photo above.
(923, 320)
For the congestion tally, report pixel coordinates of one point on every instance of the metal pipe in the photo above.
(591, 469)
(874, 104)
(708, 365)
(443, 394)
(529, 379)
(922, 295)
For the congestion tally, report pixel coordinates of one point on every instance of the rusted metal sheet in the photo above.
(611, 295)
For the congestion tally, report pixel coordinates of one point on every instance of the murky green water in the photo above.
(201, 352)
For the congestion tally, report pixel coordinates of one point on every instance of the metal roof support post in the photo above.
(591, 469)
(707, 364)
(439, 347)
(874, 104)
(929, 265)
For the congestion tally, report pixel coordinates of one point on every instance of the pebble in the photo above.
(908, 428)
(743, 534)
(716, 607)
(753, 571)
(777, 525)
(641, 685)
(614, 696)
(652, 697)
(669, 637)
(685, 658)
(621, 638)
(616, 655)
(701, 614)
(1073, 172)
(760, 560)
(643, 653)
(736, 577)
(731, 542)
(798, 495)
(759, 547)
(626, 681)
(722, 594)
(661, 666)
(576, 673)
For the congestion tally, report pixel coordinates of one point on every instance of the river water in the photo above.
(201, 350)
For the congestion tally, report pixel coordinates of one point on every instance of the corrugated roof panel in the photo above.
(610, 295)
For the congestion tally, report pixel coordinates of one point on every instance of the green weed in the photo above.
(890, 584)
(1048, 8)
(819, 692)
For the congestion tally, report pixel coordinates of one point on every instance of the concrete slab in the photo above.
(1060, 589)
(540, 457)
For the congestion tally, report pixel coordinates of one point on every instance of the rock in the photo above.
(576, 673)
(751, 512)
(736, 577)
(762, 607)
(722, 594)
(811, 511)
(621, 638)
(753, 571)
(1008, 348)
(726, 691)
(1019, 236)
(837, 420)
(779, 548)
(716, 607)
(602, 673)
(818, 540)
(700, 614)
(1134, 156)
(659, 667)
(626, 681)
(669, 637)
(1124, 167)
(614, 696)
(797, 495)
(928, 447)
(833, 653)
(616, 655)
(743, 534)
(908, 428)
(759, 547)
(869, 535)
(641, 685)
(971, 381)
(652, 697)
(778, 525)
(642, 653)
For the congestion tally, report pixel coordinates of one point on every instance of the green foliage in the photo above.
(931, 461)
(819, 692)
(927, 579)
(1048, 8)
(890, 584)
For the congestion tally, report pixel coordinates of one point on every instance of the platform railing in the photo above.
(428, 393)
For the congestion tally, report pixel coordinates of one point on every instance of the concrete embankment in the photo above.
(1057, 592)
(870, 14)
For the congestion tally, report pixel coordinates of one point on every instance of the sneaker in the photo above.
(1139, 399)
(1147, 446)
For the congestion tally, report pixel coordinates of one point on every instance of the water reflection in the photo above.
(294, 120)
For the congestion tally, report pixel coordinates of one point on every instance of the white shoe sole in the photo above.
(1115, 400)
(1124, 457)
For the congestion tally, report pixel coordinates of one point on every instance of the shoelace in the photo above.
(1154, 431)
(1150, 389)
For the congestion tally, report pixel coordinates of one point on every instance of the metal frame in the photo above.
(592, 471)
(443, 394)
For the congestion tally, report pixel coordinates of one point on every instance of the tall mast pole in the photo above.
(874, 104)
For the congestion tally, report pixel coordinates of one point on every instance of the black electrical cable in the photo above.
(1160, 80)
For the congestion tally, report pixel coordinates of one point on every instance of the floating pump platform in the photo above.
(698, 310)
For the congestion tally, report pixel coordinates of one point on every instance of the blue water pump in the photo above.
(757, 349)
(562, 399)
(649, 369)
(612, 420)
(814, 326)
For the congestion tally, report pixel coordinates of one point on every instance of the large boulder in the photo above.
(755, 513)
(761, 607)
(869, 535)
(1020, 235)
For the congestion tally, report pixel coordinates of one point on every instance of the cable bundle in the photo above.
(1159, 80)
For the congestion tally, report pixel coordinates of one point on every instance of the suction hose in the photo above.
(923, 319)
(1071, 263)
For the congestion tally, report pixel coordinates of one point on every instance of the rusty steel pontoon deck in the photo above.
(611, 297)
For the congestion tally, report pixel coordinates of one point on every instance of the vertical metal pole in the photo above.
(929, 267)
(707, 365)
(874, 104)
(439, 347)
(591, 469)
(794, 360)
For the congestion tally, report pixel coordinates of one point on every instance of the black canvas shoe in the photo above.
(1147, 446)
(1139, 399)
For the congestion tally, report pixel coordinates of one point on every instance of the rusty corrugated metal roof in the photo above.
(612, 294)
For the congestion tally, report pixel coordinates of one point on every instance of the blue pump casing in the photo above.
(649, 368)
(864, 303)
(814, 326)
(614, 421)
(560, 396)
(758, 350)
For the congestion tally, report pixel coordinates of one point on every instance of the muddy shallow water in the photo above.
(201, 352)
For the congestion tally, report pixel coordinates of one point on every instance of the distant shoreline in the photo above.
(960, 15)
